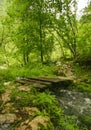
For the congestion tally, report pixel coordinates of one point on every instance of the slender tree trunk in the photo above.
(2, 37)
(27, 54)
(41, 43)
(24, 59)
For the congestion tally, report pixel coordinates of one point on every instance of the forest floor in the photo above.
(11, 114)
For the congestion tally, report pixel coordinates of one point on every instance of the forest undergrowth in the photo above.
(26, 107)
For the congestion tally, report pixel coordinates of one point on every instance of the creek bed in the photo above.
(76, 104)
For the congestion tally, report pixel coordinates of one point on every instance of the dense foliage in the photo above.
(43, 30)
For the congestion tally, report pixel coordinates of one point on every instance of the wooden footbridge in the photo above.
(43, 82)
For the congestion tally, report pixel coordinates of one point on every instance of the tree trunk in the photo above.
(41, 42)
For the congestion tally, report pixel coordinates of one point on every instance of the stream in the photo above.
(76, 104)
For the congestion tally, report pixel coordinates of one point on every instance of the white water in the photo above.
(75, 103)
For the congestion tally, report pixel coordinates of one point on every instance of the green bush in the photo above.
(21, 98)
(44, 100)
(83, 87)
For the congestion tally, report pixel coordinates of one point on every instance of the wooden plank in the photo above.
(52, 80)
(29, 81)
(45, 82)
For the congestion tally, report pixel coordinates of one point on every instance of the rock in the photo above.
(5, 96)
(30, 111)
(34, 124)
(8, 107)
(4, 127)
(7, 83)
(7, 118)
(23, 88)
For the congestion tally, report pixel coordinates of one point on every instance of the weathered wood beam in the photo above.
(45, 82)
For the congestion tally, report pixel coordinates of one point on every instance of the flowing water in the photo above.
(77, 104)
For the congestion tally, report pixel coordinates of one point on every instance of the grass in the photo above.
(81, 86)
(83, 72)
(2, 88)
(83, 75)
(32, 70)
